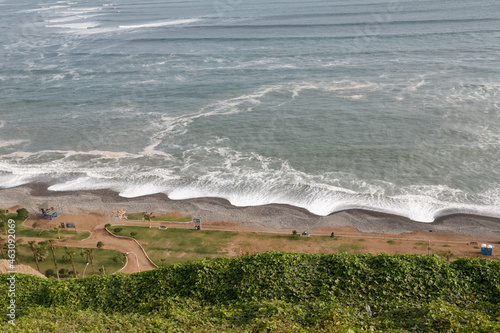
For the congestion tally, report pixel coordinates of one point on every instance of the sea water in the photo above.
(386, 105)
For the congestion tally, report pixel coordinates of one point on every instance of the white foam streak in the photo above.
(11, 142)
(70, 18)
(82, 25)
(159, 24)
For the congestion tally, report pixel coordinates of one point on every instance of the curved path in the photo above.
(136, 259)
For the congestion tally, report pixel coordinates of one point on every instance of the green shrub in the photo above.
(50, 273)
(22, 214)
(277, 291)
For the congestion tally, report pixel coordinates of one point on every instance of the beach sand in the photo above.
(91, 210)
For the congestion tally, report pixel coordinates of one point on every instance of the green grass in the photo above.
(164, 217)
(350, 248)
(183, 245)
(101, 258)
(80, 235)
(391, 242)
(50, 233)
(179, 245)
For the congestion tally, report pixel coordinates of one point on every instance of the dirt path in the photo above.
(350, 239)
(137, 261)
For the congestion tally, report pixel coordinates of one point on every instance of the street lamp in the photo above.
(85, 269)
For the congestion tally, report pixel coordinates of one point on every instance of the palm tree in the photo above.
(1, 248)
(69, 256)
(148, 217)
(41, 252)
(33, 249)
(16, 250)
(87, 253)
(53, 248)
(57, 229)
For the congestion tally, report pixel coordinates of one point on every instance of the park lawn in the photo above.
(111, 260)
(183, 245)
(179, 245)
(50, 233)
(162, 217)
(249, 243)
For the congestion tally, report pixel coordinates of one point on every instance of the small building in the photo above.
(49, 212)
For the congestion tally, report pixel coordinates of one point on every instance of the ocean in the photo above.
(390, 106)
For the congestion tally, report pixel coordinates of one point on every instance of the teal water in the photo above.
(391, 106)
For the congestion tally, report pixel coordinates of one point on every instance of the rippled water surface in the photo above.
(386, 105)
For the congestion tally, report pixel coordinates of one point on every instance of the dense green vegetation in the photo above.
(273, 291)
(19, 216)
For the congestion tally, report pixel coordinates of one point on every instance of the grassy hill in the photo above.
(272, 291)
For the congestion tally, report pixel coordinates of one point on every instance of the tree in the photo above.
(119, 258)
(1, 248)
(41, 252)
(22, 214)
(3, 220)
(294, 233)
(53, 248)
(33, 249)
(19, 241)
(100, 244)
(148, 217)
(57, 229)
(87, 254)
(69, 257)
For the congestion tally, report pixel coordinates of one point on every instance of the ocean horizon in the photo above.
(390, 106)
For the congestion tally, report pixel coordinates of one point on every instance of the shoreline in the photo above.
(265, 218)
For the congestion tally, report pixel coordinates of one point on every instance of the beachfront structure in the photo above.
(51, 213)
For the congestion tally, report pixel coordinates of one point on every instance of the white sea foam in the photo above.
(242, 185)
(70, 18)
(82, 184)
(76, 25)
(9, 143)
(160, 24)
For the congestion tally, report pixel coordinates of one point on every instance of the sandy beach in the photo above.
(91, 210)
